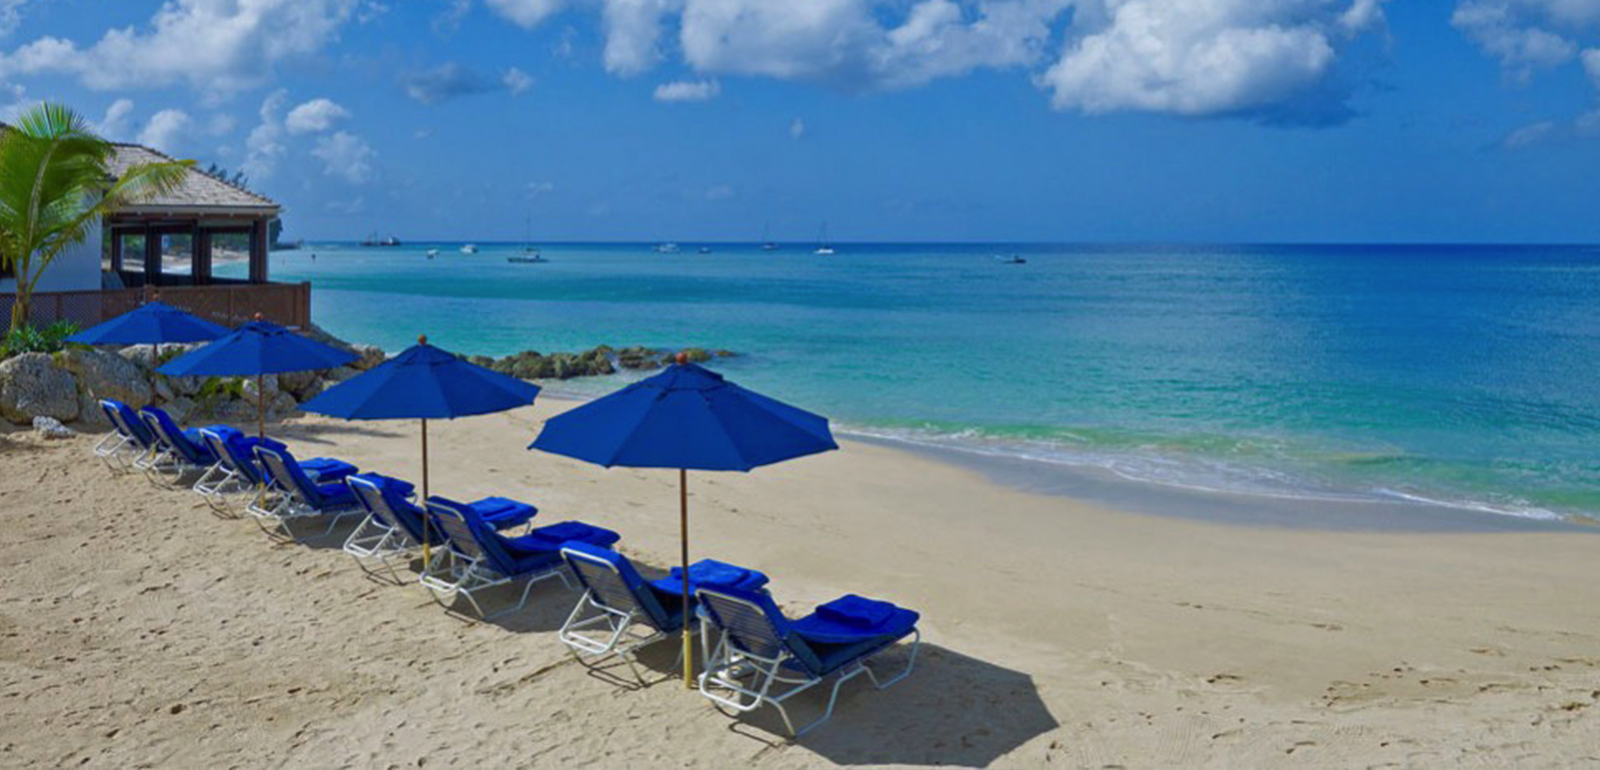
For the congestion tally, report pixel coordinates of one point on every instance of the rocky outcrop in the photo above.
(31, 385)
(532, 365)
(102, 374)
(51, 428)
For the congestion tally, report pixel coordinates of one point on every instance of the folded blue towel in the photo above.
(857, 611)
(711, 574)
(551, 537)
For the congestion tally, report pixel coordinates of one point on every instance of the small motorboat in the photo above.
(433, 253)
(704, 250)
(529, 256)
(1014, 259)
(469, 249)
(667, 248)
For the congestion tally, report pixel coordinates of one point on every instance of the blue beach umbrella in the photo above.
(423, 382)
(257, 348)
(152, 324)
(688, 418)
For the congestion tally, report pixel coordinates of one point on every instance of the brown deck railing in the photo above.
(288, 304)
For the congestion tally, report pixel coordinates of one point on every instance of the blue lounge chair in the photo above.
(621, 613)
(178, 451)
(761, 649)
(477, 558)
(291, 495)
(129, 440)
(237, 473)
(394, 524)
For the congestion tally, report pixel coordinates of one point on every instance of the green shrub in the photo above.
(32, 339)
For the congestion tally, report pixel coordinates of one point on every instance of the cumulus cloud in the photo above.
(265, 144)
(218, 47)
(11, 14)
(346, 156)
(1529, 135)
(165, 130)
(526, 13)
(114, 125)
(797, 129)
(633, 29)
(1265, 58)
(444, 82)
(1518, 32)
(316, 115)
(1591, 65)
(516, 81)
(688, 91)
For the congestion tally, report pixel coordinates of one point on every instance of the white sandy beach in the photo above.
(139, 630)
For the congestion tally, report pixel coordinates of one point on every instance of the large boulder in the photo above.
(370, 357)
(31, 385)
(301, 385)
(90, 416)
(249, 393)
(107, 375)
(51, 428)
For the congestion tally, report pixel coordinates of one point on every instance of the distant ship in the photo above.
(374, 240)
(530, 253)
(704, 249)
(433, 253)
(469, 249)
(767, 243)
(824, 248)
(667, 248)
(1014, 259)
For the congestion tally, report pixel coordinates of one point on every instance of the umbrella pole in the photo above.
(427, 522)
(683, 523)
(261, 408)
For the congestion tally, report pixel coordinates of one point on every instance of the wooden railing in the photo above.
(287, 304)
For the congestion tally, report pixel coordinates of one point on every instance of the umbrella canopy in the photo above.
(423, 382)
(688, 418)
(257, 347)
(151, 324)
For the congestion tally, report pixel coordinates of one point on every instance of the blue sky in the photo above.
(1073, 120)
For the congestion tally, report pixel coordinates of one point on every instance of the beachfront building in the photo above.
(170, 245)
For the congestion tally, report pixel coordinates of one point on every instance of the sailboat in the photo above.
(530, 254)
(767, 243)
(824, 249)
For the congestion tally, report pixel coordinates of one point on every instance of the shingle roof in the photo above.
(198, 190)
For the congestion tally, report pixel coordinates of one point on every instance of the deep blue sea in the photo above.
(1462, 375)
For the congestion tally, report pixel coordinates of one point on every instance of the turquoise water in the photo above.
(1459, 375)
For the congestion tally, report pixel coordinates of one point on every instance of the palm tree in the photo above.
(55, 185)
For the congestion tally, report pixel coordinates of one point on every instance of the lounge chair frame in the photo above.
(113, 448)
(164, 465)
(452, 571)
(595, 631)
(377, 540)
(729, 665)
(281, 503)
(222, 483)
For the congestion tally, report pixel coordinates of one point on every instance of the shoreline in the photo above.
(1055, 631)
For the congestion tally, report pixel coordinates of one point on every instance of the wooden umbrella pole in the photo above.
(427, 521)
(261, 408)
(683, 523)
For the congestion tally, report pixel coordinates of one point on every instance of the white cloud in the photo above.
(165, 130)
(539, 189)
(720, 192)
(316, 115)
(346, 156)
(1528, 135)
(216, 46)
(221, 123)
(797, 129)
(1513, 35)
(11, 14)
(1591, 65)
(516, 81)
(633, 29)
(114, 125)
(526, 13)
(1205, 57)
(688, 91)
(264, 146)
(444, 82)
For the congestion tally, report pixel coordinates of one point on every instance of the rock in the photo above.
(341, 374)
(370, 357)
(107, 375)
(692, 355)
(180, 408)
(183, 386)
(143, 356)
(282, 405)
(32, 386)
(50, 427)
(638, 358)
(90, 416)
(248, 392)
(162, 387)
(298, 383)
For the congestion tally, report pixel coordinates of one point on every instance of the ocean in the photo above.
(1448, 377)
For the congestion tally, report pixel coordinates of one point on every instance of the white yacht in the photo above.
(469, 249)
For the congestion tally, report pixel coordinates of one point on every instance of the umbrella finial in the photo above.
(258, 317)
(683, 358)
(422, 339)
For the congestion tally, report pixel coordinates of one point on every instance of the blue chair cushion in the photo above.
(503, 512)
(552, 537)
(336, 494)
(329, 469)
(825, 629)
(856, 611)
(712, 574)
